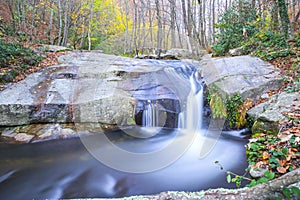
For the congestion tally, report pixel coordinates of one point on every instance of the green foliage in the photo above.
(297, 38)
(295, 87)
(256, 149)
(267, 177)
(217, 102)
(230, 107)
(267, 45)
(14, 54)
(18, 57)
(235, 179)
(288, 193)
(231, 25)
(233, 103)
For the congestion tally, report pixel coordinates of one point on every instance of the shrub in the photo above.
(231, 24)
(17, 56)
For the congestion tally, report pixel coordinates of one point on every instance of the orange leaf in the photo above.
(281, 170)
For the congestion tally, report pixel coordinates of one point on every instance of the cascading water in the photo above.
(191, 117)
(68, 169)
(150, 115)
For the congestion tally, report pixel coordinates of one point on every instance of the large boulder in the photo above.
(91, 87)
(267, 115)
(249, 76)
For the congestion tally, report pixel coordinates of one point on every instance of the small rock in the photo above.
(236, 52)
(50, 131)
(45, 135)
(258, 172)
(67, 132)
(23, 137)
(179, 53)
(264, 96)
(9, 133)
(55, 48)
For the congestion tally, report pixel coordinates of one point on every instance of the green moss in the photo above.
(224, 106)
(131, 121)
(270, 128)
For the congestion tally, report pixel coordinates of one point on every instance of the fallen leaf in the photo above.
(281, 170)
(266, 155)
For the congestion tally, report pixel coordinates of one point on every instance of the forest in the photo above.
(267, 29)
(131, 26)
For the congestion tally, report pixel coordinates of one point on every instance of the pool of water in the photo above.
(66, 169)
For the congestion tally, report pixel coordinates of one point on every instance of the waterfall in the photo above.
(191, 117)
(150, 115)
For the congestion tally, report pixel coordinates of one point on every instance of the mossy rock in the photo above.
(265, 127)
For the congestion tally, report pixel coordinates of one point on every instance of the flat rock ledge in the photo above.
(271, 189)
(249, 76)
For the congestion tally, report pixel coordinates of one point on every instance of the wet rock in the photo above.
(268, 114)
(23, 137)
(50, 132)
(258, 172)
(91, 87)
(67, 133)
(9, 133)
(249, 76)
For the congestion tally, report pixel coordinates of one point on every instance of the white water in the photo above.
(150, 115)
(191, 117)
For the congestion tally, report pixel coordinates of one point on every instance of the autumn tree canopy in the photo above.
(123, 26)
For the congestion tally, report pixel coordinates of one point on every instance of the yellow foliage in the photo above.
(217, 105)
(242, 111)
(108, 18)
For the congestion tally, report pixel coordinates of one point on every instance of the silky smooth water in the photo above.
(65, 169)
(68, 169)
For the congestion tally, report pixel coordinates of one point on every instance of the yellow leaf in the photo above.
(266, 155)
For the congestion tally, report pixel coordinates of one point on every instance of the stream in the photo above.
(170, 147)
(65, 169)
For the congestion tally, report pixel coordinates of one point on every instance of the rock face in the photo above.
(268, 114)
(249, 76)
(91, 87)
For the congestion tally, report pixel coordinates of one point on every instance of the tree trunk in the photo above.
(126, 42)
(66, 23)
(159, 24)
(275, 21)
(50, 24)
(90, 24)
(60, 23)
(173, 20)
(284, 18)
(186, 26)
